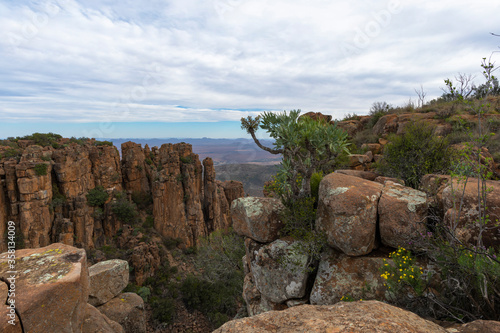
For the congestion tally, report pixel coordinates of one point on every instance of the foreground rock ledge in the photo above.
(352, 317)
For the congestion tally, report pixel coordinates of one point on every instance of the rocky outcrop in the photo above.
(44, 191)
(127, 309)
(51, 289)
(347, 212)
(356, 317)
(51, 280)
(107, 279)
(257, 218)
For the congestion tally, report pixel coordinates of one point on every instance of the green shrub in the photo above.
(142, 199)
(41, 169)
(125, 211)
(377, 111)
(97, 196)
(149, 223)
(103, 143)
(414, 154)
(171, 243)
(217, 291)
(364, 136)
(11, 153)
(186, 160)
(163, 309)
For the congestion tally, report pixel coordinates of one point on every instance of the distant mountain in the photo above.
(222, 151)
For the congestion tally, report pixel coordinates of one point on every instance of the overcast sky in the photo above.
(193, 68)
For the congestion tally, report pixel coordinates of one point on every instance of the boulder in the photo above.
(127, 309)
(368, 175)
(51, 280)
(464, 221)
(347, 213)
(340, 275)
(10, 321)
(352, 317)
(382, 180)
(279, 272)
(375, 148)
(96, 322)
(351, 127)
(256, 303)
(257, 218)
(480, 326)
(107, 279)
(402, 215)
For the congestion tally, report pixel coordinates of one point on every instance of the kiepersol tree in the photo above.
(307, 145)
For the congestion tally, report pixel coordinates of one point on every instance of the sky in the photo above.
(193, 68)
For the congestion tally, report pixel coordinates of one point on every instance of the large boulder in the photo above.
(347, 213)
(340, 275)
(402, 215)
(279, 271)
(127, 309)
(51, 282)
(256, 303)
(96, 322)
(464, 221)
(10, 320)
(107, 279)
(257, 218)
(352, 317)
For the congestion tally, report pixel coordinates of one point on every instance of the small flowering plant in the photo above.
(403, 273)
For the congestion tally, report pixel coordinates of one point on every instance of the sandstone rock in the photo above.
(480, 326)
(256, 303)
(145, 260)
(317, 116)
(10, 321)
(368, 175)
(3, 217)
(351, 127)
(347, 213)
(107, 279)
(382, 180)
(375, 148)
(215, 217)
(465, 222)
(127, 309)
(358, 160)
(51, 280)
(402, 215)
(355, 317)
(233, 190)
(279, 272)
(340, 275)
(133, 168)
(96, 322)
(257, 218)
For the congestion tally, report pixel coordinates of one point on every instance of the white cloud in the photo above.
(84, 60)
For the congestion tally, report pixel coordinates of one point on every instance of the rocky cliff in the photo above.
(44, 190)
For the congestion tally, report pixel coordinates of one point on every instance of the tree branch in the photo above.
(272, 151)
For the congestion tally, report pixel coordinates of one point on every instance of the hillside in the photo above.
(253, 176)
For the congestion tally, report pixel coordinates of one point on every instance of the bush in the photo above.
(103, 143)
(97, 197)
(42, 139)
(125, 211)
(414, 154)
(142, 199)
(41, 169)
(217, 291)
(11, 153)
(377, 111)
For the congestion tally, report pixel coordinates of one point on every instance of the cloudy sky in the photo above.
(193, 68)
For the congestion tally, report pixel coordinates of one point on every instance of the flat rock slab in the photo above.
(96, 322)
(51, 287)
(107, 279)
(352, 317)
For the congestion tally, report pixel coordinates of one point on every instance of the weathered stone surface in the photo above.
(352, 317)
(356, 160)
(351, 127)
(382, 180)
(3, 216)
(96, 322)
(402, 215)
(257, 218)
(256, 303)
(278, 273)
(317, 116)
(107, 279)
(127, 309)
(233, 190)
(480, 326)
(145, 260)
(133, 168)
(51, 280)
(213, 210)
(340, 275)
(347, 213)
(465, 220)
(375, 148)
(368, 175)
(10, 322)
